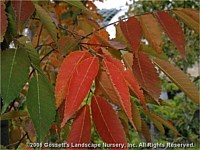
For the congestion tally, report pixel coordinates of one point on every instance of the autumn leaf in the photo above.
(3, 21)
(106, 121)
(66, 44)
(134, 86)
(23, 10)
(173, 30)
(14, 74)
(188, 18)
(146, 132)
(47, 21)
(65, 73)
(152, 31)
(136, 117)
(158, 125)
(41, 105)
(120, 87)
(115, 61)
(79, 86)
(133, 32)
(120, 37)
(159, 121)
(13, 114)
(128, 60)
(179, 78)
(104, 87)
(193, 13)
(146, 75)
(81, 128)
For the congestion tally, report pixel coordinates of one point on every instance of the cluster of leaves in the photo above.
(109, 82)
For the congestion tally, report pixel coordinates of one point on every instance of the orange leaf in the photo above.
(194, 14)
(120, 87)
(134, 86)
(81, 127)
(23, 10)
(173, 30)
(106, 121)
(133, 32)
(104, 86)
(79, 86)
(151, 31)
(65, 73)
(146, 75)
(128, 60)
(3, 21)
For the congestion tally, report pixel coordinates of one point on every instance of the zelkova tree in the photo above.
(69, 77)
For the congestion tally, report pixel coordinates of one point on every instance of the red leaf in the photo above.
(146, 75)
(115, 61)
(133, 32)
(79, 86)
(3, 21)
(81, 127)
(23, 10)
(106, 121)
(134, 86)
(173, 30)
(65, 73)
(120, 87)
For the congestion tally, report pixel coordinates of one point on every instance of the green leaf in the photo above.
(41, 105)
(179, 78)
(12, 25)
(47, 22)
(14, 74)
(76, 3)
(158, 125)
(150, 51)
(32, 52)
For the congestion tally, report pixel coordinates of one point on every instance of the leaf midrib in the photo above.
(104, 119)
(39, 106)
(10, 73)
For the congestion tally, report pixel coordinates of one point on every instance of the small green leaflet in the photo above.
(41, 105)
(12, 25)
(76, 3)
(47, 22)
(14, 74)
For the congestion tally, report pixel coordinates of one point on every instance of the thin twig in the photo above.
(20, 140)
(39, 35)
(47, 54)
(101, 45)
(113, 24)
(72, 33)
